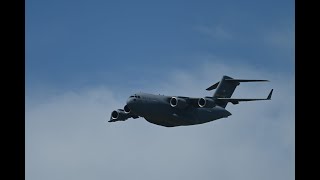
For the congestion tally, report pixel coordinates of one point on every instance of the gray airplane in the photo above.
(171, 111)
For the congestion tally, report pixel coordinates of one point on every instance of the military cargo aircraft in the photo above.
(171, 111)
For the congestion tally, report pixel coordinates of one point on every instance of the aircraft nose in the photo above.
(130, 101)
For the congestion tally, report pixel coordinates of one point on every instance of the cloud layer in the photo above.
(68, 136)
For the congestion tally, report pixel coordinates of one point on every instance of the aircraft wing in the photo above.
(191, 100)
(237, 100)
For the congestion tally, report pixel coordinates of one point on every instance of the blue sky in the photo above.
(77, 43)
(84, 58)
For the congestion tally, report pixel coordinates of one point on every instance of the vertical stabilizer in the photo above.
(225, 89)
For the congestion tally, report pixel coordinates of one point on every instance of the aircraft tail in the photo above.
(225, 88)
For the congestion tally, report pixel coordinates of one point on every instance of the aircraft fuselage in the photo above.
(156, 109)
(173, 111)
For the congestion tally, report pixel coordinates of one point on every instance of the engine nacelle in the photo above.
(127, 109)
(119, 115)
(206, 102)
(178, 103)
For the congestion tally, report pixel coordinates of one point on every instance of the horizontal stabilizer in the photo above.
(229, 79)
(245, 80)
(237, 100)
(213, 86)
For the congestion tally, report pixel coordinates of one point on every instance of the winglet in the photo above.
(270, 94)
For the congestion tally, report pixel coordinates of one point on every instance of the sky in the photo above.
(85, 58)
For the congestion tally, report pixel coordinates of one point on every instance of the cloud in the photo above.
(217, 32)
(68, 136)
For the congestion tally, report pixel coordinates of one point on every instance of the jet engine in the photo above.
(127, 109)
(178, 102)
(206, 102)
(119, 115)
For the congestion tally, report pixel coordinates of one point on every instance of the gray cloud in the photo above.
(67, 136)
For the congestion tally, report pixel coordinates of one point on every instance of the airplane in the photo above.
(172, 111)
